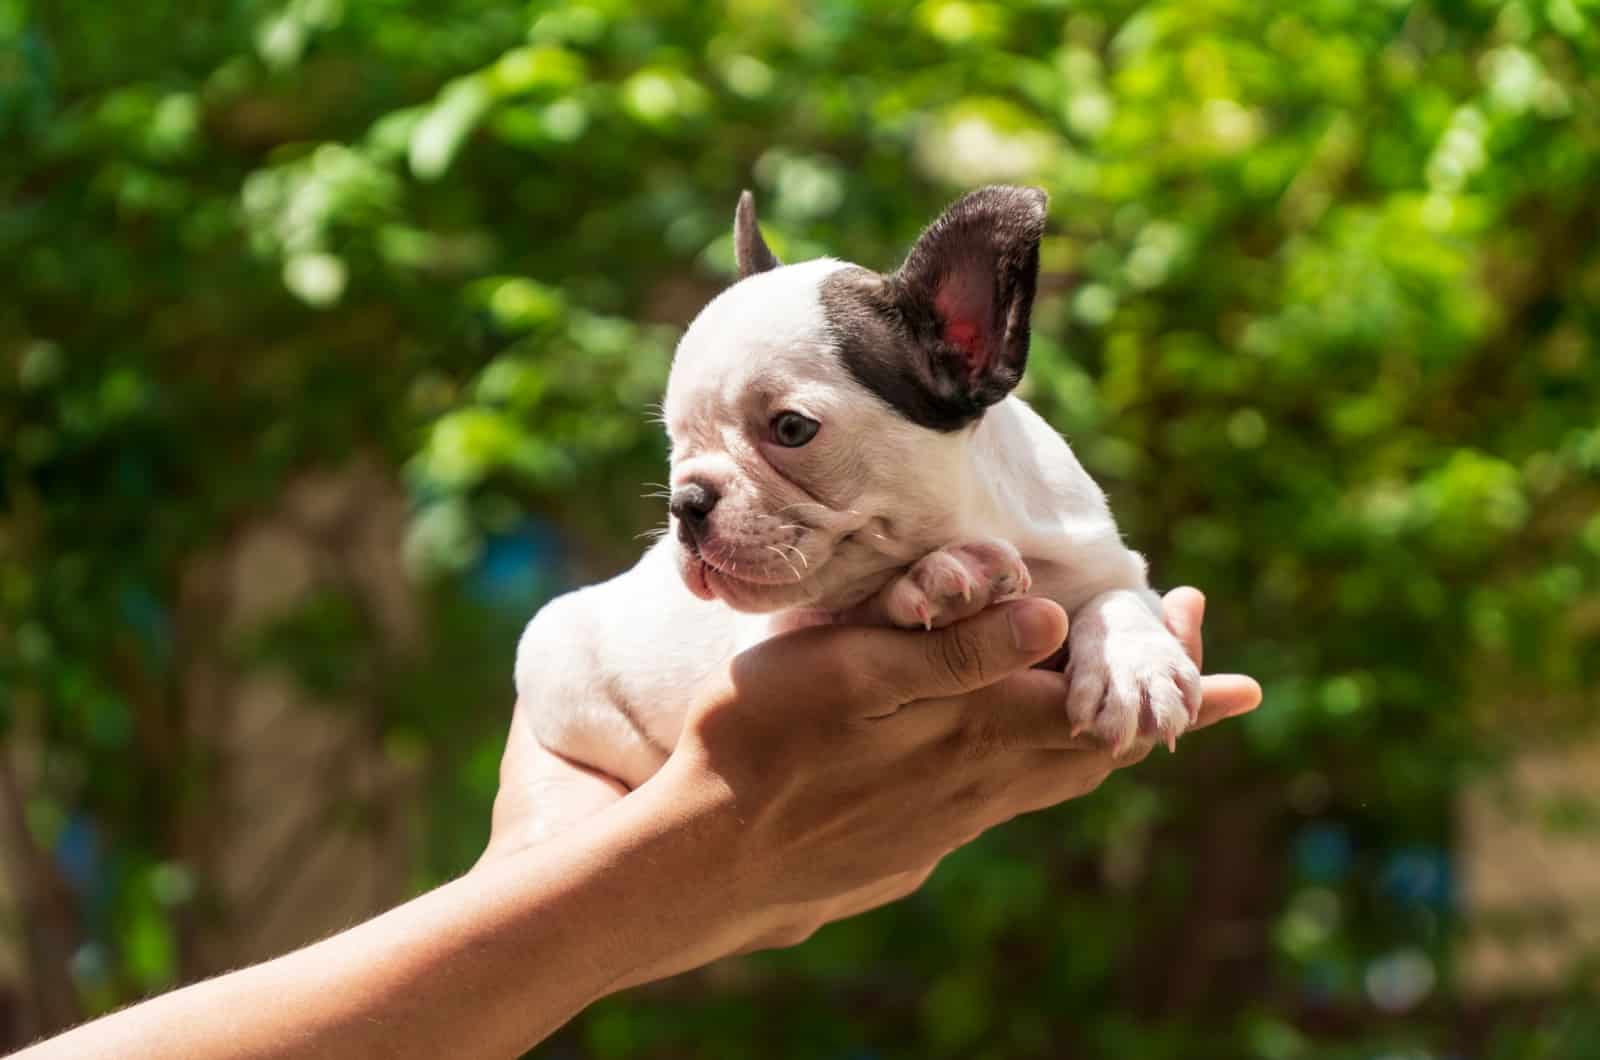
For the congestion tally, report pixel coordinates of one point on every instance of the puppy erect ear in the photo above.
(965, 293)
(748, 246)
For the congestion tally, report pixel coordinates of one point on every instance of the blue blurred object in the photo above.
(1419, 876)
(147, 616)
(517, 569)
(1322, 982)
(78, 853)
(1323, 852)
(134, 477)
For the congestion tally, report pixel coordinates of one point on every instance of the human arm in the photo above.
(776, 813)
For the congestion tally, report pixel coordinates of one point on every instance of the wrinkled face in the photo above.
(793, 485)
(820, 414)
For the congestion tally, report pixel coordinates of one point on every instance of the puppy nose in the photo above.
(692, 504)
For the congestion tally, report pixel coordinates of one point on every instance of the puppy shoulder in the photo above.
(600, 638)
(557, 646)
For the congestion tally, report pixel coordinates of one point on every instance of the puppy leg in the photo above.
(954, 582)
(1128, 676)
(543, 794)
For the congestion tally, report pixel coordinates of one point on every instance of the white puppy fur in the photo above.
(920, 491)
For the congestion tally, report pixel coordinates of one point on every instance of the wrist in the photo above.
(652, 882)
(680, 839)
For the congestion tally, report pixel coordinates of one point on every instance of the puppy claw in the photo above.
(953, 583)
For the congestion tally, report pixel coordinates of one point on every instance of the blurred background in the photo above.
(328, 331)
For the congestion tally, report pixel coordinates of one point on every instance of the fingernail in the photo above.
(1033, 626)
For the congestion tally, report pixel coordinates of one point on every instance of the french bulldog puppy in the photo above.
(845, 446)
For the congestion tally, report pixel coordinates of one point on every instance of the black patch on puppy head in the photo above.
(879, 347)
(946, 335)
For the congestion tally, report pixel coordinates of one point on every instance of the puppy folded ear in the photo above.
(966, 292)
(748, 246)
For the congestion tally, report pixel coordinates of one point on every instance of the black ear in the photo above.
(748, 246)
(966, 291)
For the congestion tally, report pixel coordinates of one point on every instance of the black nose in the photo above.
(692, 504)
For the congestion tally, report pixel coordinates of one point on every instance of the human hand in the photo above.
(833, 768)
(531, 776)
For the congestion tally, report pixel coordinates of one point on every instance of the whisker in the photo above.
(785, 559)
(803, 561)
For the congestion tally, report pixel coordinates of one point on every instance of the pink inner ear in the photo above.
(961, 328)
(964, 334)
(962, 303)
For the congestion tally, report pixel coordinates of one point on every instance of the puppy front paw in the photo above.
(1129, 678)
(955, 582)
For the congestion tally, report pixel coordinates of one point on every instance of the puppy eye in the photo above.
(792, 430)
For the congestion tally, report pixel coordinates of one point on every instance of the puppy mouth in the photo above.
(694, 576)
(705, 576)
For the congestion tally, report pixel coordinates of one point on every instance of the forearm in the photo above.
(484, 966)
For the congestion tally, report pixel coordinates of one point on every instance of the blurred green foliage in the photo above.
(1320, 310)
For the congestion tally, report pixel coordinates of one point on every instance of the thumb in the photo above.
(963, 657)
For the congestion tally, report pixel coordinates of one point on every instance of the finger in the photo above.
(1185, 609)
(1050, 778)
(1025, 713)
(963, 657)
(1054, 765)
(1226, 696)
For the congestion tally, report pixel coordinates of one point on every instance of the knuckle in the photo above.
(910, 882)
(869, 693)
(850, 683)
(973, 802)
(846, 680)
(802, 931)
(790, 932)
(712, 725)
(1093, 780)
(830, 662)
(959, 654)
(782, 938)
(984, 737)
